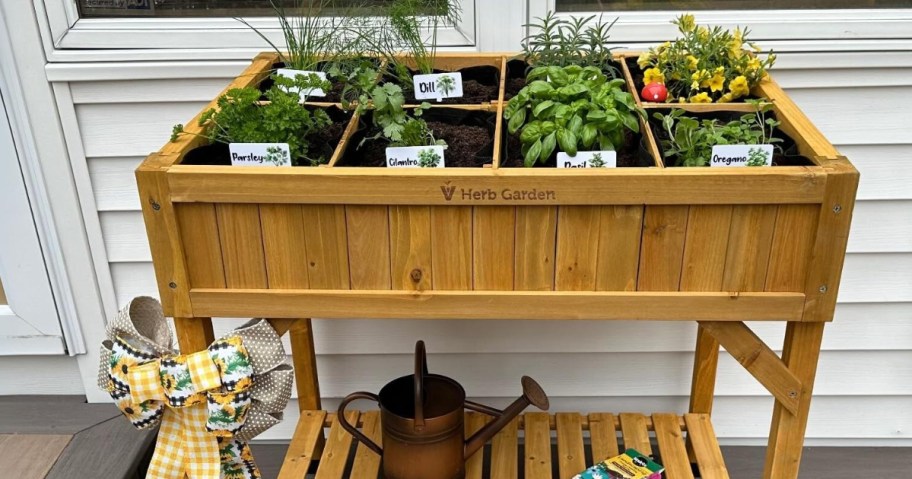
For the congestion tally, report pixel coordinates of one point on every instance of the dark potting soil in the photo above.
(469, 137)
(637, 75)
(479, 85)
(784, 153)
(632, 155)
(322, 143)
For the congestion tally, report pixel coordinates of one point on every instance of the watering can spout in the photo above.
(532, 395)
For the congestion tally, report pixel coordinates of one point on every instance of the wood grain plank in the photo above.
(451, 247)
(474, 464)
(706, 448)
(536, 232)
(241, 239)
(576, 260)
(635, 433)
(603, 436)
(662, 249)
(791, 249)
(621, 229)
(493, 237)
(759, 360)
(30, 456)
(832, 236)
(538, 445)
(284, 246)
(410, 242)
(308, 433)
(571, 458)
(202, 250)
(193, 334)
(368, 246)
(671, 446)
(367, 462)
(750, 239)
(326, 246)
(504, 448)
(338, 446)
(305, 364)
(602, 305)
(800, 352)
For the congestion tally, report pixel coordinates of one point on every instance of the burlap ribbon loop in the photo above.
(209, 403)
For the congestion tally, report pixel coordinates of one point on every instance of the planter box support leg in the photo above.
(800, 353)
(193, 334)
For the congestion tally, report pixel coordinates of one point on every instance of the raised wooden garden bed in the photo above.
(714, 245)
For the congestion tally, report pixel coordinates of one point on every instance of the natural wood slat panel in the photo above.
(576, 259)
(603, 436)
(305, 364)
(538, 445)
(792, 243)
(621, 228)
(338, 446)
(504, 460)
(493, 247)
(301, 449)
(326, 246)
(662, 249)
(410, 243)
(536, 228)
(749, 241)
(242, 245)
(451, 247)
(368, 246)
(367, 462)
(671, 446)
(199, 233)
(284, 246)
(706, 448)
(474, 422)
(571, 457)
(635, 433)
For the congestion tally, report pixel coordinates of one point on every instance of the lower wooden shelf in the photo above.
(525, 447)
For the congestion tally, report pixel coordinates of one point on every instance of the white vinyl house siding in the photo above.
(864, 387)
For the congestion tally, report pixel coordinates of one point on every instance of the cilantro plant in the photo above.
(428, 158)
(561, 42)
(569, 108)
(240, 118)
(690, 140)
(397, 125)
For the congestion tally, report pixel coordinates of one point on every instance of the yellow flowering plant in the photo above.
(706, 64)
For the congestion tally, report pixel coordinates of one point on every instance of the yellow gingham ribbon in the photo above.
(185, 446)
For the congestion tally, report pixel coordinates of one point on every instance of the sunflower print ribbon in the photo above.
(209, 403)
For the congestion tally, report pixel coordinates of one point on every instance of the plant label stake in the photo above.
(741, 155)
(587, 159)
(438, 86)
(260, 154)
(307, 92)
(415, 157)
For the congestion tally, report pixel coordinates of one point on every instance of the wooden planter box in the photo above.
(701, 244)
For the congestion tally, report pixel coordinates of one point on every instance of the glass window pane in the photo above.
(647, 5)
(206, 8)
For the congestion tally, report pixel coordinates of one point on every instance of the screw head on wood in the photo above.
(837, 209)
(172, 285)
(793, 394)
(822, 289)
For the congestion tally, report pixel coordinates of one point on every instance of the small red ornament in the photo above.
(654, 92)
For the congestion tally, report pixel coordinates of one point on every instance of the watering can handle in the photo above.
(421, 371)
(352, 429)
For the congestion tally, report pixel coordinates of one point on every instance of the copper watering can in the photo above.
(421, 417)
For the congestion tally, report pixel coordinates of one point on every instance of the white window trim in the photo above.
(785, 31)
(73, 39)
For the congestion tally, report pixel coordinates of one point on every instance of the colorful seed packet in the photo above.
(630, 465)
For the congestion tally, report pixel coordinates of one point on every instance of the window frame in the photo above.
(70, 38)
(786, 31)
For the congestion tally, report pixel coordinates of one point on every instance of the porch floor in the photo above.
(62, 437)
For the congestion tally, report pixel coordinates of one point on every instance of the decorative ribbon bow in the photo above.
(209, 403)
